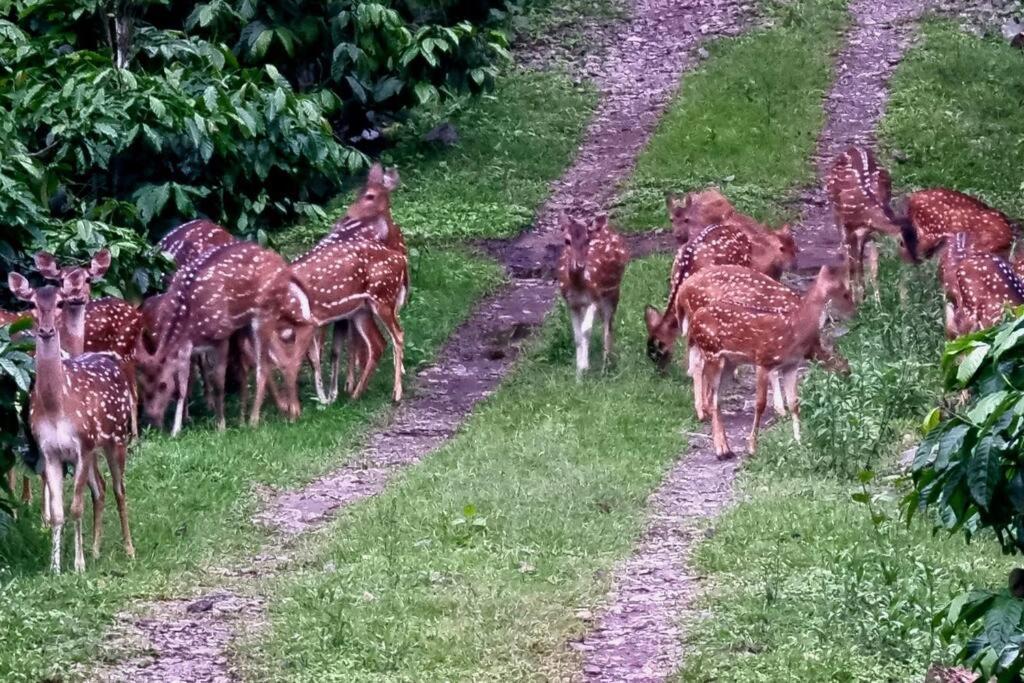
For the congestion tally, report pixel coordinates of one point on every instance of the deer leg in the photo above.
(374, 343)
(26, 489)
(695, 367)
(55, 505)
(314, 355)
(218, 375)
(116, 457)
(712, 379)
(871, 253)
(338, 335)
(608, 307)
(263, 330)
(358, 353)
(387, 317)
(44, 493)
(760, 401)
(203, 368)
(789, 380)
(182, 382)
(778, 401)
(82, 471)
(97, 487)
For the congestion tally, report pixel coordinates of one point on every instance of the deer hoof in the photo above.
(728, 455)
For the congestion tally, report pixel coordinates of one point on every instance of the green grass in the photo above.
(191, 499)
(473, 565)
(955, 114)
(513, 143)
(818, 592)
(747, 120)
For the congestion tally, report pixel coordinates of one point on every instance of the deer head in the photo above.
(578, 235)
(662, 333)
(783, 250)
(696, 211)
(46, 302)
(833, 285)
(375, 198)
(75, 291)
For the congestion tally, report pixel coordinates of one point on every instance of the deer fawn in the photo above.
(235, 286)
(78, 406)
(939, 213)
(726, 332)
(354, 279)
(87, 324)
(978, 286)
(590, 272)
(860, 192)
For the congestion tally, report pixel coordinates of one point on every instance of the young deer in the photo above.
(368, 217)
(590, 272)
(860, 192)
(734, 333)
(91, 325)
(939, 213)
(78, 406)
(978, 286)
(235, 286)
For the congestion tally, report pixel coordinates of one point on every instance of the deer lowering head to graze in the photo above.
(91, 325)
(860, 192)
(734, 333)
(78, 406)
(939, 213)
(590, 272)
(355, 280)
(979, 286)
(236, 286)
(193, 240)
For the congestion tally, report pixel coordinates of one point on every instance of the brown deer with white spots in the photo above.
(193, 240)
(91, 325)
(730, 284)
(695, 211)
(590, 273)
(235, 286)
(768, 339)
(937, 214)
(354, 279)
(860, 192)
(979, 286)
(78, 406)
(368, 217)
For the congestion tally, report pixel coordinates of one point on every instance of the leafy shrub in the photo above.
(16, 370)
(969, 470)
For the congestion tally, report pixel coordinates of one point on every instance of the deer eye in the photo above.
(163, 386)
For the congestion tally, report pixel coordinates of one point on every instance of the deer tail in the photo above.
(298, 290)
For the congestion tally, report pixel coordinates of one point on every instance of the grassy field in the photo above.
(473, 565)
(191, 499)
(819, 592)
(747, 120)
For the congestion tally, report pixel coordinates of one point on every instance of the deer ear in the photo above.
(785, 231)
(100, 263)
(20, 287)
(652, 317)
(390, 179)
(376, 175)
(671, 201)
(599, 223)
(46, 264)
(76, 278)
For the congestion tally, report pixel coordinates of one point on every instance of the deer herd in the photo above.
(233, 305)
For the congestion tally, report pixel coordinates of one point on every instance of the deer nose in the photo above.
(46, 332)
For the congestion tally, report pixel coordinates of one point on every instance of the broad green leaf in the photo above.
(983, 472)
(970, 364)
(1002, 620)
(988, 406)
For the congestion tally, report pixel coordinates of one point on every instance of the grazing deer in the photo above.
(235, 286)
(733, 333)
(860, 192)
(978, 286)
(78, 406)
(193, 240)
(939, 213)
(91, 325)
(353, 279)
(368, 217)
(590, 272)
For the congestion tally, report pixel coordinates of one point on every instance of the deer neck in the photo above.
(51, 379)
(807, 319)
(73, 332)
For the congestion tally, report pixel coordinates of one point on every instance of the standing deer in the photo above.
(590, 272)
(978, 286)
(734, 333)
(353, 279)
(193, 240)
(78, 406)
(940, 213)
(235, 286)
(860, 192)
(93, 325)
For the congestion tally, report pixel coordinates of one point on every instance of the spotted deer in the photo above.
(729, 284)
(769, 339)
(939, 213)
(78, 406)
(979, 286)
(590, 272)
(860, 192)
(107, 324)
(358, 280)
(368, 217)
(191, 241)
(235, 286)
(697, 210)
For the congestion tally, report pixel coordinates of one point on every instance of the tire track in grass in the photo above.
(190, 639)
(639, 636)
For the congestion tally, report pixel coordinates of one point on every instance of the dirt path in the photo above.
(189, 639)
(639, 635)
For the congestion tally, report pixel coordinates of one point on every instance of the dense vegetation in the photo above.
(119, 118)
